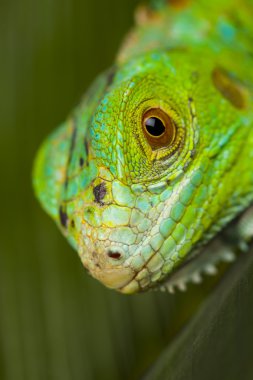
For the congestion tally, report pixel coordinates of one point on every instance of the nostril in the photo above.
(114, 255)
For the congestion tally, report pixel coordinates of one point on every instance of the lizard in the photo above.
(150, 177)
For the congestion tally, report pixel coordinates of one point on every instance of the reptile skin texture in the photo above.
(157, 158)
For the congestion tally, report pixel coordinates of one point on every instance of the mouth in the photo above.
(115, 278)
(109, 269)
(110, 266)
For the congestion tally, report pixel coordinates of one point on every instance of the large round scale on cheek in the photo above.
(159, 129)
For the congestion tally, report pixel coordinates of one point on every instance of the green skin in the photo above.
(135, 213)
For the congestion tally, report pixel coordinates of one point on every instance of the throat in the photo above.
(235, 238)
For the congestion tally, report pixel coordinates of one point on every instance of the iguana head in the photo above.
(138, 177)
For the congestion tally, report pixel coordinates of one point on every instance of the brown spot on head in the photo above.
(230, 87)
(63, 216)
(99, 192)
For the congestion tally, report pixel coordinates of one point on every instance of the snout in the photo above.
(108, 266)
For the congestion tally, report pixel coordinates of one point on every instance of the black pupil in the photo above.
(154, 126)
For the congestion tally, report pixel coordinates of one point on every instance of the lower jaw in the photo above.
(192, 271)
(200, 262)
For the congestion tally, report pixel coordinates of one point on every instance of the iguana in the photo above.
(150, 178)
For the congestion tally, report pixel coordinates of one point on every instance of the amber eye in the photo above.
(158, 128)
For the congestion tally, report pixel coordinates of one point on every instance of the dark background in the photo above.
(55, 321)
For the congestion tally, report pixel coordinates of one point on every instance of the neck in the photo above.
(183, 24)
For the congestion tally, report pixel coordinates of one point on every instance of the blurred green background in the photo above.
(55, 321)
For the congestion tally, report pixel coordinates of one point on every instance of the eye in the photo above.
(159, 129)
(154, 126)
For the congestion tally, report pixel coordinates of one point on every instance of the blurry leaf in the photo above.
(218, 342)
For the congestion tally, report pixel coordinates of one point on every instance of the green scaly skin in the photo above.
(136, 214)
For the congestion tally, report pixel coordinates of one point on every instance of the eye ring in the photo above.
(159, 129)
